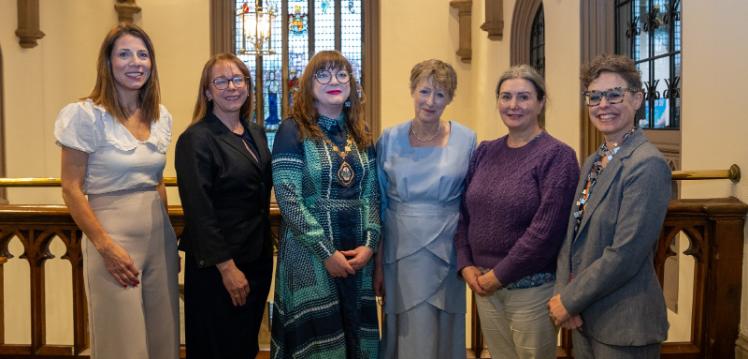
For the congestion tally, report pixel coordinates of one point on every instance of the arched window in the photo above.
(537, 42)
(526, 19)
(528, 38)
(649, 31)
(300, 29)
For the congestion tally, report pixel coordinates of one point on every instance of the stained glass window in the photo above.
(300, 28)
(649, 31)
(537, 42)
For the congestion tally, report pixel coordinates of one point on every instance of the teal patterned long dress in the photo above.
(315, 315)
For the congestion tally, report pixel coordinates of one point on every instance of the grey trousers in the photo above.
(135, 322)
(585, 347)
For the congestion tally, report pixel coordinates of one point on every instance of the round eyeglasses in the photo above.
(613, 96)
(222, 83)
(325, 76)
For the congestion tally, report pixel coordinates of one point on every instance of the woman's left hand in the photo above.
(489, 282)
(358, 257)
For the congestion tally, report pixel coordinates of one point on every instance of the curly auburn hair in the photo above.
(304, 110)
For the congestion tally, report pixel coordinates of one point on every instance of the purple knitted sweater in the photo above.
(516, 207)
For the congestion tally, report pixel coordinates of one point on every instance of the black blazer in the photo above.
(225, 193)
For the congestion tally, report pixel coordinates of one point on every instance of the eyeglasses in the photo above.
(222, 83)
(325, 76)
(613, 96)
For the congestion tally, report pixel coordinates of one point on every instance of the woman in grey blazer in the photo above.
(606, 286)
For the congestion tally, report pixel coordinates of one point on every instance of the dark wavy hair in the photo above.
(304, 111)
(104, 92)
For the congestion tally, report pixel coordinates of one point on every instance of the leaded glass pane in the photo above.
(291, 49)
(661, 29)
(537, 42)
(661, 104)
(643, 115)
(298, 44)
(652, 39)
(351, 27)
(324, 25)
(641, 40)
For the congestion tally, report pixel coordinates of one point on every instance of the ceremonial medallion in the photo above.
(346, 174)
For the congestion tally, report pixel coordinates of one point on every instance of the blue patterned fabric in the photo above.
(316, 316)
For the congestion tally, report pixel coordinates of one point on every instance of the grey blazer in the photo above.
(614, 286)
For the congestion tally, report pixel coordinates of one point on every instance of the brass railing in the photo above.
(713, 228)
(732, 173)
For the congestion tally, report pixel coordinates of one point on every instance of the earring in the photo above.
(347, 104)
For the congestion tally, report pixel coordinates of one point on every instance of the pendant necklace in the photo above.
(345, 172)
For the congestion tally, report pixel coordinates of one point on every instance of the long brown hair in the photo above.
(203, 106)
(104, 92)
(304, 111)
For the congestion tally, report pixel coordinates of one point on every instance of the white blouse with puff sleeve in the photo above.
(116, 159)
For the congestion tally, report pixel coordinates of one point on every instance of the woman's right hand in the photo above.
(119, 264)
(470, 274)
(337, 265)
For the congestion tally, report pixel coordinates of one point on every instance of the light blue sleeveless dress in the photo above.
(421, 191)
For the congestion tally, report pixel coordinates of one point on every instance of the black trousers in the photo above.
(214, 327)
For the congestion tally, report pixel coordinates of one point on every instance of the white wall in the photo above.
(714, 125)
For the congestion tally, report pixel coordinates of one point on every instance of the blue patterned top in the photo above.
(315, 315)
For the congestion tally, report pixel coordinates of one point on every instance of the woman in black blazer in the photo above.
(224, 173)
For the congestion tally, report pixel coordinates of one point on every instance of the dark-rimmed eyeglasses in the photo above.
(613, 96)
(222, 83)
(325, 76)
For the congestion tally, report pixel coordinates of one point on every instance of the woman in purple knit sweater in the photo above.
(513, 219)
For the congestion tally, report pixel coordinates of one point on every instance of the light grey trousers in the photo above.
(135, 322)
(516, 325)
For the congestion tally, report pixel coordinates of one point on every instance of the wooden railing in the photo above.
(713, 228)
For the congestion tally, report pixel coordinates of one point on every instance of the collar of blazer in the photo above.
(606, 177)
(225, 135)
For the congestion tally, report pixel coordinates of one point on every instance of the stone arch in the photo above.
(522, 19)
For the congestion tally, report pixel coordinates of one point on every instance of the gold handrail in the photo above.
(53, 182)
(733, 174)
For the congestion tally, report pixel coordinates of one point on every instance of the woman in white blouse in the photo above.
(113, 151)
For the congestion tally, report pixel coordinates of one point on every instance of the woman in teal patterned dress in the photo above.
(325, 178)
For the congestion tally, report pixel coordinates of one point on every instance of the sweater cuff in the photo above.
(505, 273)
(464, 259)
(323, 250)
(371, 240)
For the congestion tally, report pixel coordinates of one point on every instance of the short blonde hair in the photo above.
(441, 73)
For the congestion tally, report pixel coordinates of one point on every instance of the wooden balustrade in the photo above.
(713, 227)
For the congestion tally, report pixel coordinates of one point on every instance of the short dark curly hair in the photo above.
(617, 64)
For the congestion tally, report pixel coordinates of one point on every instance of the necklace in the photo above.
(345, 172)
(426, 139)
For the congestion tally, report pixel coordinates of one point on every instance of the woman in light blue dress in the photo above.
(421, 166)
